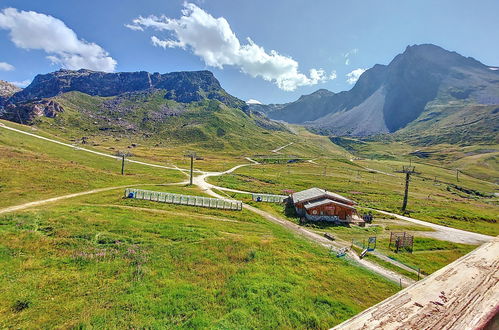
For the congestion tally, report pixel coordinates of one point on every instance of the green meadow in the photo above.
(434, 193)
(102, 261)
(107, 262)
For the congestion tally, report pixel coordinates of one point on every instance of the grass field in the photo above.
(439, 201)
(107, 262)
(428, 255)
(104, 261)
(34, 169)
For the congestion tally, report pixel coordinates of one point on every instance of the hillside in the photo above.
(173, 108)
(100, 260)
(426, 89)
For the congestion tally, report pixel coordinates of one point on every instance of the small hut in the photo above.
(317, 204)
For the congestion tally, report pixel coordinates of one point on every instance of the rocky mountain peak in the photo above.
(184, 87)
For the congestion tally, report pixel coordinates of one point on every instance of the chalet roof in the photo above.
(325, 201)
(316, 193)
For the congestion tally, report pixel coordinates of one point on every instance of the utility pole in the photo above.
(457, 175)
(408, 170)
(191, 155)
(122, 155)
(122, 164)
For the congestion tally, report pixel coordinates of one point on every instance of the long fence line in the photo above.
(179, 199)
(269, 198)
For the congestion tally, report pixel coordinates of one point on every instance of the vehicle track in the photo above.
(200, 181)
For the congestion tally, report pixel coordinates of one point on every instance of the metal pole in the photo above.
(406, 192)
(192, 166)
(123, 164)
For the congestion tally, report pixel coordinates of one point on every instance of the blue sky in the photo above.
(331, 38)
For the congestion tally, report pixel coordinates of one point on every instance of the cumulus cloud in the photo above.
(6, 66)
(213, 40)
(353, 76)
(32, 30)
(350, 54)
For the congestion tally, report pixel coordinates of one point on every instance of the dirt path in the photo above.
(441, 232)
(280, 148)
(83, 193)
(445, 233)
(321, 240)
(200, 181)
(95, 152)
(54, 199)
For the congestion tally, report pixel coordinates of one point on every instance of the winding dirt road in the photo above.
(280, 148)
(93, 151)
(445, 233)
(200, 181)
(83, 193)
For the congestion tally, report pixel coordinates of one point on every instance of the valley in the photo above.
(77, 253)
(107, 204)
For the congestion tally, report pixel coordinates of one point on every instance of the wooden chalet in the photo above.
(317, 204)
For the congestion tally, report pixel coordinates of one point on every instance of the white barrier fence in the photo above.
(170, 198)
(269, 198)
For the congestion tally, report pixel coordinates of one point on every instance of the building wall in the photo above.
(326, 210)
(327, 218)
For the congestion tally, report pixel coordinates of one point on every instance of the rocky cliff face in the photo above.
(25, 112)
(182, 87)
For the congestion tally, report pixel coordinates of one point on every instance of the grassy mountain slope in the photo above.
(454, 123)
(34, 169)
(104, 261)
(147, 117)
(435, 194)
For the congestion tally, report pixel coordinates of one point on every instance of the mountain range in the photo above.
(426, 95)
(423, 91)
(174, 108)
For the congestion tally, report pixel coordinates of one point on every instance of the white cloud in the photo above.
(32, 30)
(21, 84)
(353, 76)
(253, 101)
(350, 54)
(6, 66)
(213, 40)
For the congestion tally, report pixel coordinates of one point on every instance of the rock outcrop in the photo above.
(182, 87)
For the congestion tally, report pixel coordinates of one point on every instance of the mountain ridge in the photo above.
(183, 86)
(416, 81)
(174, 108)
